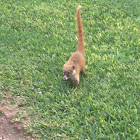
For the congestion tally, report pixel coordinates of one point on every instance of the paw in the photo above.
(75, 83)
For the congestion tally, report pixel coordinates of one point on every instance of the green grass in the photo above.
(37, 38)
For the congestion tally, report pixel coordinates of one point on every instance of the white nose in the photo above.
(65, 78)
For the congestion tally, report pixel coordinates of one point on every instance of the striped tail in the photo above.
(80, 31)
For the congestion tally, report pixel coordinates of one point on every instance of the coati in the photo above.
(76, 62)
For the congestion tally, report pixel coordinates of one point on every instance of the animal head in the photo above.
(68, 71)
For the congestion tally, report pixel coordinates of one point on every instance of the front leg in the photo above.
(76, 80)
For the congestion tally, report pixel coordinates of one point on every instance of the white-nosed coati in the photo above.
(76, 62)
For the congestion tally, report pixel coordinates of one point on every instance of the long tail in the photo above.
(80, 31)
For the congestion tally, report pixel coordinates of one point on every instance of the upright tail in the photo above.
(80, 31)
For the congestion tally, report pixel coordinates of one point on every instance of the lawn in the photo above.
(37, 38)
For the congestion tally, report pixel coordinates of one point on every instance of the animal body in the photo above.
(76, 62)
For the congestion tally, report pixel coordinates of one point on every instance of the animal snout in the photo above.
(65, 78)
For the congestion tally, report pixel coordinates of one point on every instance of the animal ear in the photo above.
(73, 67)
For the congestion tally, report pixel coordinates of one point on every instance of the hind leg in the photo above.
(83, 66)
(83, 69)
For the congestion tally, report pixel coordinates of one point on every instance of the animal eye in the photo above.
(69, 73)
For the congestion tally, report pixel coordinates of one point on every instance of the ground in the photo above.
(37, 37)
(10, 129)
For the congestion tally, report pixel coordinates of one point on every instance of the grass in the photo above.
(36, 39)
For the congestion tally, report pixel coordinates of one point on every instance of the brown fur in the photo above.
(76, 62)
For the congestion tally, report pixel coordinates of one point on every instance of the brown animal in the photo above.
(76, 62)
